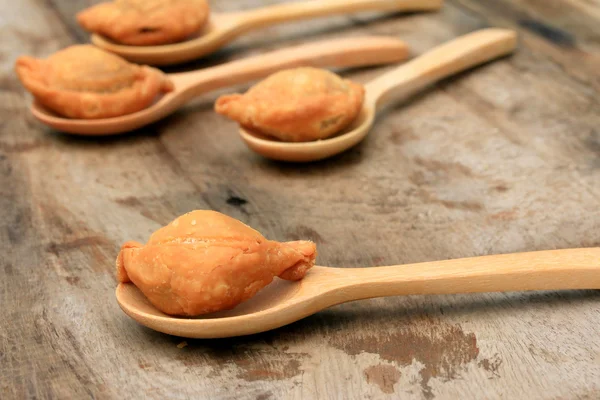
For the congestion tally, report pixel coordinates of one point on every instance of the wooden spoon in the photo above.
(223, 28)
(348, 52)
(450, 58)
(283, 302)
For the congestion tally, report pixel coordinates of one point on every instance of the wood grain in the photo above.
(502, 159)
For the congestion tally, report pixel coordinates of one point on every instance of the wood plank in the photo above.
(572, 47)
(504, 158)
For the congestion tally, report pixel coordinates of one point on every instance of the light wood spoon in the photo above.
(347, 52)
(450, 58)
(224, 27)
(284, 302)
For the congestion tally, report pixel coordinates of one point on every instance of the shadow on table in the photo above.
(266, 43)
(357, 317)
(123, 139)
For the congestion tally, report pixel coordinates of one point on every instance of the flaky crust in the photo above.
(296, 105)
(205, 261)
(86, 82)
(145, 22)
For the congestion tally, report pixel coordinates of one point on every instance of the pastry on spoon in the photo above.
(83, 81)
(205, 261)
(145, 22)
(296, 105)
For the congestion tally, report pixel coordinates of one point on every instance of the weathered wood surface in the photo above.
(502, 159)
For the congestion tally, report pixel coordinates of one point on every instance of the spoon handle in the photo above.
(448, 59)
(540, 270)
(347, 52)
(261, 17)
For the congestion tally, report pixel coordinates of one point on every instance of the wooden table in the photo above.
(502, 159)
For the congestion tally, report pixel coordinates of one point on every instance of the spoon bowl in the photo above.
(311, 151)
(448, 59)
(222, 28)
(282, 302)
(340, 53)
(219, 30)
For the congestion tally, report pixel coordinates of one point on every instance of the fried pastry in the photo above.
(145, 22)
(205, 261)
(296, 105)
(85, 82)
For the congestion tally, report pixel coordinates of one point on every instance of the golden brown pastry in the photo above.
(145, 22)
(86, 82)
(296, 105)
(205, 261)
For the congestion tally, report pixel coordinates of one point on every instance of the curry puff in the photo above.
(145, 22)
(86, 82)
(205, 261)
(296, 105)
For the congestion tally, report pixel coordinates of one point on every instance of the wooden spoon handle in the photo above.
(450, 58)
(541, 270)
(274, 14)
(347, 52)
